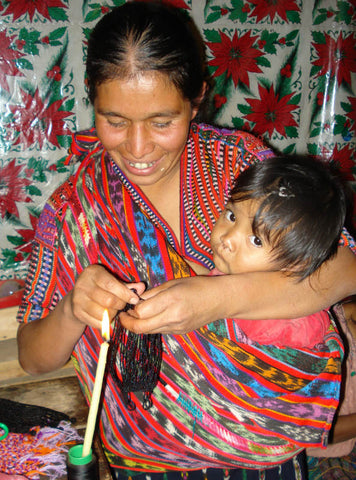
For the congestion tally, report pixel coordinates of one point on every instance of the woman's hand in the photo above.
(183, 305)
(47, 343)
(95, 290)
(177, 307)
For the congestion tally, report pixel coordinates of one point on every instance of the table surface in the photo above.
(63, 395)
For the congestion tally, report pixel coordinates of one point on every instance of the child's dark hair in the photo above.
(302, 209)
(146, 36)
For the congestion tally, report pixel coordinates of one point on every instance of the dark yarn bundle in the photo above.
(21, 418)
(139, 358)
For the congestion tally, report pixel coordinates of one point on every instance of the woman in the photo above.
(138, 214)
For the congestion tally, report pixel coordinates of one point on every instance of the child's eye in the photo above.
(255, 241)
(230, 216)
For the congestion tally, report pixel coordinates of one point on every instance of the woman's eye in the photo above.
(255, 241)
(117, 124)
(230, 216)
(161, 124)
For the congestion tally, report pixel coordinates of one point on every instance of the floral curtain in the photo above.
(283, 69)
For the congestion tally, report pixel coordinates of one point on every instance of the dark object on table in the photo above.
(21, 418)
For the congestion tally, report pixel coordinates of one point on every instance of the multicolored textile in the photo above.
(332, 468)
(294, 469)
(283, 69)
(42, 452)
(219, 403)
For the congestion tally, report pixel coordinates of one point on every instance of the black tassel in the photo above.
(139, 358)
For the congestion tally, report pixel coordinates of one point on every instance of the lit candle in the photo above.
(100, 370)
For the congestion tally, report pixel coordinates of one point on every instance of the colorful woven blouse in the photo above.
(219, 402)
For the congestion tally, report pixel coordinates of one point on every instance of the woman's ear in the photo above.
(199, 99)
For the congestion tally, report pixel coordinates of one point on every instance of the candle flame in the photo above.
(105, 326)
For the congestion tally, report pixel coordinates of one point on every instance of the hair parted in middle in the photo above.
(139, 37)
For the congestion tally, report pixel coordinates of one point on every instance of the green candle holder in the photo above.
(79, 467)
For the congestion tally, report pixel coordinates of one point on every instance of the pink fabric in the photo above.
(303, 332)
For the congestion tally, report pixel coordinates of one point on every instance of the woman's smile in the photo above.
(143, 123)
(141, 166)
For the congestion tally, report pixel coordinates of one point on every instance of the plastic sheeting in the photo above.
(283, 69)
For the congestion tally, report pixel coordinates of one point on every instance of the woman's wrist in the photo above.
(68, 321)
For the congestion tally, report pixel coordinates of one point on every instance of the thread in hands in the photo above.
(138, 358)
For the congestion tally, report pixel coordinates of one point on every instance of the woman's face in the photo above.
(143, 123)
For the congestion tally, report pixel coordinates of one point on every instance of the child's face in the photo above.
(236, 249)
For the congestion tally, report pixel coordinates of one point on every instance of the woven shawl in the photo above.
(219, 402)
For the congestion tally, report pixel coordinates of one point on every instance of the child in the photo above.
(285, 213)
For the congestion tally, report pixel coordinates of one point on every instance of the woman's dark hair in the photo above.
(302, 209)
(146, 36)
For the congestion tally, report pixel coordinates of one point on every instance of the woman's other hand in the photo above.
(95, 290)
(183, 305)
(176, 307)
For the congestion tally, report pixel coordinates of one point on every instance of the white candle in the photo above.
(100, 370)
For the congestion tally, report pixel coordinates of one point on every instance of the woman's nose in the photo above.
(138, 141)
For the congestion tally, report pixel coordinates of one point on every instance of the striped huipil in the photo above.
(219, 402)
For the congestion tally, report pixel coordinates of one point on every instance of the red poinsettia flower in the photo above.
(8, 57)
(219, 100)
(36, 120)
(17, 8)
(336, 58)
(343, 158)
(12, 188)
(271, 112)
(265, 8)
(236, 57)
(352, 115)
